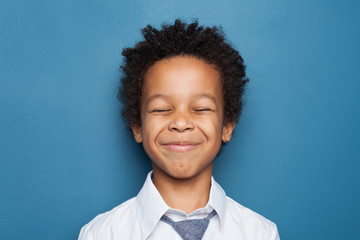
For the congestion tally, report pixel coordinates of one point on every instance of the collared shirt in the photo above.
(139, 219)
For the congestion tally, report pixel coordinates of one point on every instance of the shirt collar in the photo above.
(217, 200)
(151, 207)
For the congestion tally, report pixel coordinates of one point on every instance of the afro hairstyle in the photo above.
(205, 43)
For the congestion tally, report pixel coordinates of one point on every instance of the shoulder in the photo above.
(250, 220)
(120, 215)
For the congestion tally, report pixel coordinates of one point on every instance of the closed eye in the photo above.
(160, 110)
(203, 110)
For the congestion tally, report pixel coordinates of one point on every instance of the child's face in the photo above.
(182, 110)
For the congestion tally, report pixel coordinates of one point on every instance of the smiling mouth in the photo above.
(180, 146)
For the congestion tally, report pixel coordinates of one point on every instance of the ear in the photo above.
(228, 129)
(136, 129)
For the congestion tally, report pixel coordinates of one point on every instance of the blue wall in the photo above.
(65, 155)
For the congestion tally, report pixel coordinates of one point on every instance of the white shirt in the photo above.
(139, 219)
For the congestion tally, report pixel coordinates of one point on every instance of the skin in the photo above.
(182, 127)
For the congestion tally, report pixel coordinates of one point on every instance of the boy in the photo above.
(182, 94)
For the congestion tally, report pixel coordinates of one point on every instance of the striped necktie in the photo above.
(190, 229)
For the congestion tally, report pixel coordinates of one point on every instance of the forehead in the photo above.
(183, 61)
(182, 74)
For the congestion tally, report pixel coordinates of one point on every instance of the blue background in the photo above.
(64, 150)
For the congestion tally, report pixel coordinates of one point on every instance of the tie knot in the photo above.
(193, 229)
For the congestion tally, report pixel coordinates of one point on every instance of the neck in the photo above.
(185, 194)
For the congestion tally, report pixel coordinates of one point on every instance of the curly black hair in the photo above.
(205, 43)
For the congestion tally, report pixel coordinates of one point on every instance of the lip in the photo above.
(183, 146)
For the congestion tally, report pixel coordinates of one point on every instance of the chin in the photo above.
(183, 174)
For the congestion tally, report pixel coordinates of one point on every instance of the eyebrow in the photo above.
(205, 95)
(155, 96)
(202, 95)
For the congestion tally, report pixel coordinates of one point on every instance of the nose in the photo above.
(181, 121)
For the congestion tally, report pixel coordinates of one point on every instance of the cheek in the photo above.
(212, 127)
(152, 127)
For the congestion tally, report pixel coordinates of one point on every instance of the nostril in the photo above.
(181, 128)
(181, 122)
